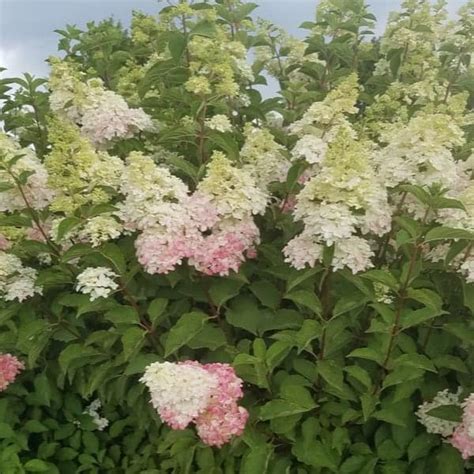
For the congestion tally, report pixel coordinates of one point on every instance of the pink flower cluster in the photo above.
(463, 436)
(203, 394)
(223, 418)
(10, 367)
(212, 246)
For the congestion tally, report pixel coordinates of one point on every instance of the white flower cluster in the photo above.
(233, 191)
(98, 282)
(100, 229)
(35, 191)
(178, 391)
(16, 281)
(420, 152)
(220, 123)
(438, 425)
(93, 411)
(263, 158)
(152, 194)
(102, 114)
(344, 198)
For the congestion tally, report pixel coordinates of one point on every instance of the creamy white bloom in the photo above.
(179, 392)
(98, 282)
(93, 411)
(302, 250)
(311, 148)
(330, 221)
(438, 425)
(16, 281)
(100, 229)
(232, 190)
(354, 253)
(220, 123)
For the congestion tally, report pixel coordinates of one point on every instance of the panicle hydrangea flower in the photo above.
(354, 253)
(343, 198)
(463, 436)
(311, 148)
(93, 411)
(152, 194)
(160, 250)
(463, 441)
(16, 281)
(10, 367)
(226, 247)
(111, 118)
(77, 172)
(420, 152)
(100, 229)
(102, 114)
(232, 190)
(330, 112)
(438, 425)
(302, 250)
(263, 157)
(204, 394)
(98, 282)
(5, 244)
(35, 190)
(179, 392)
(220, 123)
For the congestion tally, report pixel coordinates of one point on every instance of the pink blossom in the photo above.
(224, 249)
(205, 394)
(463, 436)
(10, 367)
(161, 252)
(219, 423)
(4, 243)
(462, 441)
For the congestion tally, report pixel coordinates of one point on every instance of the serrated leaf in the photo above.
(307, 299)
(187, 327)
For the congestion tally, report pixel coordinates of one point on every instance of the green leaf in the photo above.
(132, 341)
(276, 353)
(156, 310)
(187, 327)
(113, 253)
(138, 363)
(122, 315)
(301, 277)
(66, 226)
(244, 313)
(421, 446)
(267, 293)
(448, 233)
(6, 431)
(418, 361)
(367, 353)
(307, 299)
(332, 373)
(402, 374)
(210, 337)
(447, 412)
(257, 460)
(37, 465)
(446, 460)
(427, 297)
(223, 289)
(418, 316)
(360, 374)
(278, 408)
(383, 277)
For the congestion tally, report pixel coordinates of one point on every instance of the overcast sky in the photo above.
(27, 27)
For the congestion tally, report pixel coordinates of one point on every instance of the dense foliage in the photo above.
(156, 207)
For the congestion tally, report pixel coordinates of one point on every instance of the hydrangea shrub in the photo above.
(196, 277)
